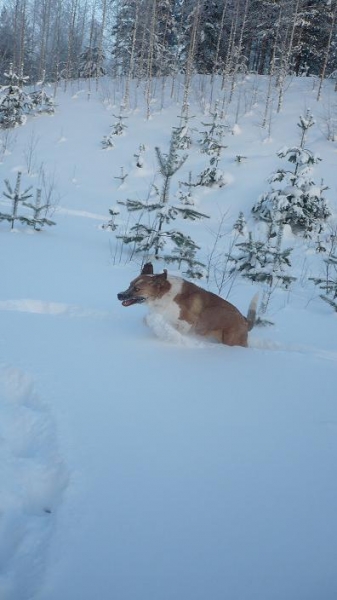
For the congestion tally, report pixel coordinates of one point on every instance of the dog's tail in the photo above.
(251, 316)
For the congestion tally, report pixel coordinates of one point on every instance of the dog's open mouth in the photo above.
(129, 301)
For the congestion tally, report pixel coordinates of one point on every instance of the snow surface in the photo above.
(138, 463)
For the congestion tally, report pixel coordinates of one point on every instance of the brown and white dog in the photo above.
(189, 308)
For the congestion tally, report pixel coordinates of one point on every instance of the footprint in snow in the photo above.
(33, 478)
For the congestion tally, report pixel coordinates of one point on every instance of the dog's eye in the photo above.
(136, 289)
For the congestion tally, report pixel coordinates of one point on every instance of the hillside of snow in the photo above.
(136, 464)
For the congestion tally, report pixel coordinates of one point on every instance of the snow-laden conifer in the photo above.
(295, 198)
(263, 261)
(151, 235)
(15, 102)
(41, 101)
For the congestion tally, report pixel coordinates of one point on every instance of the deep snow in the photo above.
(136, 466)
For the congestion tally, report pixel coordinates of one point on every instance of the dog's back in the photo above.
(212, 316)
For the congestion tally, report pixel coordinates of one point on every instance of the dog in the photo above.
(189, 308)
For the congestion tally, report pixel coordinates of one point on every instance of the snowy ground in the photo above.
(134, 466)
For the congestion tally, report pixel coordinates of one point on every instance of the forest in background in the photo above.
(52, 40)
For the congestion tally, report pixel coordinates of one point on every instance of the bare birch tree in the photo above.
(328, 48)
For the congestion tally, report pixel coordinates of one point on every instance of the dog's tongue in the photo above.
(128, 302)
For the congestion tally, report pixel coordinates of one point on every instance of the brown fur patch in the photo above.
(212, 316)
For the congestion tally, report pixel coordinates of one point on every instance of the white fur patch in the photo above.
(168, 308)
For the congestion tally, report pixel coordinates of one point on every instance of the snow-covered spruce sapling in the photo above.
(183, 132)
(212, 176)
(139, 156)
(15, 103)
(240, 224)
(184, 140)
(16, 196)
(184, 253)
(41, 101)
(211, 138)
(264, 261)
(328, 281)
(211, 144)
(111, 225)
(39, 217)
(298, 201)
(117, 128)
(151, 238)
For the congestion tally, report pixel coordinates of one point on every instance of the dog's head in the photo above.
(145, 287)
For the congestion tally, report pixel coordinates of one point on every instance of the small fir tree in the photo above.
(39, 217)
(154, 237)
(264, 261)
(328, 281)
(184, 132)
(212, 176)
(118, 128)
(211, 140)
(240, 224)
(15, 103)
(300, 201)
(16, 196)
(41, 101)
(111, 224)
(139, 156)
(211, 144)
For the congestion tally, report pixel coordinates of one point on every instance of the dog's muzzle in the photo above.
(127, 299)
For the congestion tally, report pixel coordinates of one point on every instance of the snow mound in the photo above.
(29, 305)
(164, 331)
(33, 479)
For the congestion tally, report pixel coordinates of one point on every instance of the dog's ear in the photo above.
(147, 269)
(159, 280)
